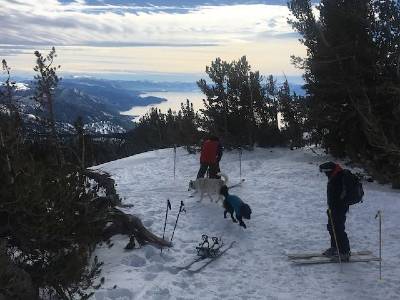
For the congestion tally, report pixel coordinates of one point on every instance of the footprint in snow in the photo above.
(155, 268)
(150, 276)
(158, 293)
(150, 251)
(114, 294)
(148, 223)
(189, 251)
(134, 261)
(181, 284)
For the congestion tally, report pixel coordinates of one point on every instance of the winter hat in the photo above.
(327, 167)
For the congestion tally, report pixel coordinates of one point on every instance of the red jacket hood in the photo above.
(336, 170)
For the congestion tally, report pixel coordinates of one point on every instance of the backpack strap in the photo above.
(343, 194)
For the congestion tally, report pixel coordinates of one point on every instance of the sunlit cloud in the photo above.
(165, 36)
(50, 22)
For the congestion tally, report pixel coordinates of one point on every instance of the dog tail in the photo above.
(245, 210)
(224, 177)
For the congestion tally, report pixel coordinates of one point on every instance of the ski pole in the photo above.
(379, 213)
(336, 242)
(166, 217)
(181, 208)
(240, 162)
(174, 160)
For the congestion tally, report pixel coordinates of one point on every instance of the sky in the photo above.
(153, 39)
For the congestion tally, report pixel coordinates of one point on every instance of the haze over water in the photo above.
(174, 100)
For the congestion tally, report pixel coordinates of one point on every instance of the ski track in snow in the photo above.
(287, 195)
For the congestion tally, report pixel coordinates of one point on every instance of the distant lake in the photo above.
(174, 100)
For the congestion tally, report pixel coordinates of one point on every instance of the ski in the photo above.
(319, 254)
(327, 260)
(209, 260)
(189, 264)
(236, 184)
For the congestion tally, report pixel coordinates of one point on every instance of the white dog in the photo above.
(208, 186)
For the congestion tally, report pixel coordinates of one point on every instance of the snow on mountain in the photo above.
(287, 195)
(103, 127)
(21, 86)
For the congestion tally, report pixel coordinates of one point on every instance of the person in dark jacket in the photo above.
(337, 209)
(211, 154)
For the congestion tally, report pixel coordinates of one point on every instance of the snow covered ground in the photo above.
(287, 195)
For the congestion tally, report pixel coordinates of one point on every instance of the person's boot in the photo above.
(345, 257)
(330, 252)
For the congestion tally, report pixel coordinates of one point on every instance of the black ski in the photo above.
(209, 260)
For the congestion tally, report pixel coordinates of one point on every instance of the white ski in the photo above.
(327, 260)
(319, 254)
(209, 260)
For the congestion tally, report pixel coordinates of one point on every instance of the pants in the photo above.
(339, 220)
(213, 170)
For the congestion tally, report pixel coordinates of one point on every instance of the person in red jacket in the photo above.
(211, 154)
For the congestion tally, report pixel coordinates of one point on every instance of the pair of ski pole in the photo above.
(181, 209)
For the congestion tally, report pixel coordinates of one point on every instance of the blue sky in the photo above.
(160, 38)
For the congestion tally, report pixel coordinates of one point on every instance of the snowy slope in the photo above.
(287, 195)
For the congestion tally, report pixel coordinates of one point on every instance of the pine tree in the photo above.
(272, 102)
(236, 104)
(46, 84)
(216, 104)
(188, 126)
(294, 112)
(47, 225)
(349, 56)
(10, 125)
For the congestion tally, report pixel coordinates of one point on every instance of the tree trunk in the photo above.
(9, 167)
(131, 225)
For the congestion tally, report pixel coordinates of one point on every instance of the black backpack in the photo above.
(353, 188)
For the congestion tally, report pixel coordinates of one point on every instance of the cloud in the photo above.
(165, 36)
(94, 23)
(12, 50)
(270, 34)
(148, 44)
(179, 3)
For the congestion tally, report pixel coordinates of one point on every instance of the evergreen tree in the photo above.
(48, 223)
(236, 104)
(10, 125)
(272, 102)
(350, 56)
(294, 114)
(216, 104)
(46, 84)
(189, 125)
